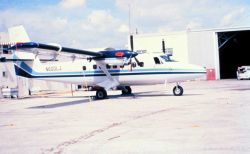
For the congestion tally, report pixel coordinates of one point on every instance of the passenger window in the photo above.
(84, 68)
(94, 67)
(157, 61)
(122, 66)
(115, 66)
(108, 66)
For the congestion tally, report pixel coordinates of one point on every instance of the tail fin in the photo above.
(18, 34)
(26, 61)
(27, 64)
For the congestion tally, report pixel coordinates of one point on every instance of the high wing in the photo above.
(58, 48)
(102, 58)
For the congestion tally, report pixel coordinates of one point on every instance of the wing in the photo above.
(32, 45)
(95, 55)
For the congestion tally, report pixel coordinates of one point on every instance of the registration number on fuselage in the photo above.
(53, 68)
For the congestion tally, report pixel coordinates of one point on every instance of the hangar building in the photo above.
(220, 50)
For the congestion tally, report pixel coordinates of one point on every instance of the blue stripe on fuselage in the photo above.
(26, 71)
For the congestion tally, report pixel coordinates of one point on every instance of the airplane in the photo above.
(104, 70)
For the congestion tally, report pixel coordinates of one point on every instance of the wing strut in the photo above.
(111, 82)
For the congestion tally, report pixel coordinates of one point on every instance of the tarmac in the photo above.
(211, 117)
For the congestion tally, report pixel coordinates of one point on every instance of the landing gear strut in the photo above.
(178, 90)
(101, 94)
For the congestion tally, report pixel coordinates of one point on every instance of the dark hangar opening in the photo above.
(234, 51)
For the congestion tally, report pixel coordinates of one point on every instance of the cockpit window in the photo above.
(167, 58)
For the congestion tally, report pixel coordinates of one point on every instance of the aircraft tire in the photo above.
(101, 94)
(178, 91)
(127, 90)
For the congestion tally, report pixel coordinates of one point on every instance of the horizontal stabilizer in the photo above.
(3, 59)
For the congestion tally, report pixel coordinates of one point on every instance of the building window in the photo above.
(4, 74)
(5, 51)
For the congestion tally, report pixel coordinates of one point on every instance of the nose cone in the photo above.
(198, 71)
(195, 71)
(134, 54)
(130, 54)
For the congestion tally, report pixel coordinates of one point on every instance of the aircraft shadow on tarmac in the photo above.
(87, 99)
(149, 94)
(63, 104)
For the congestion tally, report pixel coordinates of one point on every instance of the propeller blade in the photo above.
(138, 62)
(132, 43)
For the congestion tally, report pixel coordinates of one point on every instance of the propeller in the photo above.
(132, 49)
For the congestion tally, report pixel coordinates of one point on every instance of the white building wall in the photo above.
(194, 47)
(203, 49)
(153, 44)
(9, 80)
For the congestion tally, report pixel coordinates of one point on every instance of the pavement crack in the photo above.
(60, 147)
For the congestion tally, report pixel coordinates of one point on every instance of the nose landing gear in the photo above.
(178, 90)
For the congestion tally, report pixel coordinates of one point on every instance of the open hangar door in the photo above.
(234, 51)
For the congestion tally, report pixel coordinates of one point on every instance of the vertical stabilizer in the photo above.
(18, 34)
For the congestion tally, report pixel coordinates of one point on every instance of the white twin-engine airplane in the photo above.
(103, 70)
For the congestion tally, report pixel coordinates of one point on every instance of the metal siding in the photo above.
(153, 44)
(201, 48)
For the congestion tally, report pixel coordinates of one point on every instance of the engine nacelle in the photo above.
(115, 61)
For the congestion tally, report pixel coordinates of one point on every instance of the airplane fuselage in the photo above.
(84, 72)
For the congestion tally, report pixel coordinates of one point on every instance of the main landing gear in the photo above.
(101, 93)
(178, 90)
(126, 90)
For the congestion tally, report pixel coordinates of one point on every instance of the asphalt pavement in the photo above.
(211, 117)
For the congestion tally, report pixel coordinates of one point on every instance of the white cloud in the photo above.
(89, 28)
(232, 16)
(153, 16)
(70, 4)
(123, 28)
(100, 17)
(99, 29)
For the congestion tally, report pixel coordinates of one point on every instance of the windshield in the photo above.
(167, 58)
(242, 70)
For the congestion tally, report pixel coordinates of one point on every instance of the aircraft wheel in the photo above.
(126, 90)
(178, 90)
(101, 94)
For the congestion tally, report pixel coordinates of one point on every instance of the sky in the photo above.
(107, 23)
